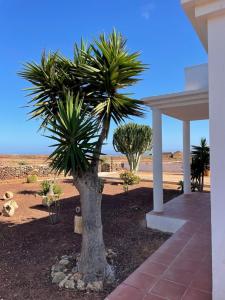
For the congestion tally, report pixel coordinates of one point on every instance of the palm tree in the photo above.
(200, 162)
(77, 100)
(133, 140)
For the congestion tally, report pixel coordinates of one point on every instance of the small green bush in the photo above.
(45, 187)
(129, 178)
(57, 189)
(32, 178)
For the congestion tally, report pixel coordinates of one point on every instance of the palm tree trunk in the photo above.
(93, 264)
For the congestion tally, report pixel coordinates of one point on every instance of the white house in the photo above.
(203, 98)
(189, 105)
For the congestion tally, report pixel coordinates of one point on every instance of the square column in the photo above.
(186, 157)
(216, 48)
(157, 160)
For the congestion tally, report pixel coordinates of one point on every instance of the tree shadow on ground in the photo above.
(27, 192)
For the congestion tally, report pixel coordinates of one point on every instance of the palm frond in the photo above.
(75, 134)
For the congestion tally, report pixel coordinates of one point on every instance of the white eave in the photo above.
(199, 11)
(187, 105)
(199, 24)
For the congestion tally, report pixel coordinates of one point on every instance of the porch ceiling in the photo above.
(188, 105)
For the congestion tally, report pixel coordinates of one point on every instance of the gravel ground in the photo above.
(29, 245)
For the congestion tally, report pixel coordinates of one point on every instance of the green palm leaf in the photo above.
(75, 133)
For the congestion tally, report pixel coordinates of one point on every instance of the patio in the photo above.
(181, 267)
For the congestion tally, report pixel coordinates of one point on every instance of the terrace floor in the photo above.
(181, 267)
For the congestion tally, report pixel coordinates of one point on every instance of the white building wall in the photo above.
(216, 51)
(196, 77)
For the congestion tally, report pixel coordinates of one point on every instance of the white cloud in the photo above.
(147, 9)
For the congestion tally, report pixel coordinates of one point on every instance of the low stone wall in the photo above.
(109, 164)
(20, 172)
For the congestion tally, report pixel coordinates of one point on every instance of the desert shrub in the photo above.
(51, 201)
(129, 178)
(32, 178)
(181, 186)
(22, 163)
(57, 189)
(45, 188)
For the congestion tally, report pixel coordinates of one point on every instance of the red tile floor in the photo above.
(181, 267)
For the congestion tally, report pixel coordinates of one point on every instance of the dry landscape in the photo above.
(30, 245)
(15, 160)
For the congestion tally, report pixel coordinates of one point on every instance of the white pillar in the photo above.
(186, 157)
(216, 46)
(157, 160)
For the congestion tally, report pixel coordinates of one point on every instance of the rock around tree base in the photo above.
(65, 274)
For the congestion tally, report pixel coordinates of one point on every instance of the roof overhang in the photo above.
(188, 105)
(199, 11)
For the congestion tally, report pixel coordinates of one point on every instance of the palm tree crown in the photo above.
(97, 74)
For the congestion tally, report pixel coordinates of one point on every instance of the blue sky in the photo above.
(157, 28)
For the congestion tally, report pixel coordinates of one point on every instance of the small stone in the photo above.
(69, 284)
(110, 253)
(62, 283)
(53, 268)
(64, 262)
(65, 257)
(80, 285)
(95, 286)
(8, 195)
(77, 276)
(9, 208)
(74, 270)
(58, 268)
(58, 277)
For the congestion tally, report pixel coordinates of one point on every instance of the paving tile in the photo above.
(181, 268)
(152, 268)
(186, 264)
(205, 228)
(173, 247)
(153, 297)
(163, 258)
(124, 292)
(193, 254)
(190, 227)
(168, 290)
(203, 279)
(178, 276)
(181, 235)
(141, 281)
(192, 294)
(207, 262)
